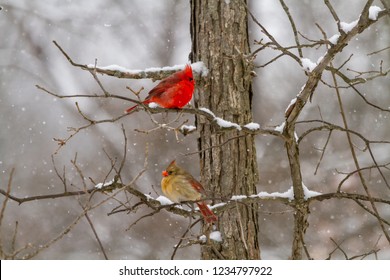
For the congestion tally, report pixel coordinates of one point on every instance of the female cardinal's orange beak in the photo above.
(165, 173)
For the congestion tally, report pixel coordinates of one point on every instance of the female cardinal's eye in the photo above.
(170, 172)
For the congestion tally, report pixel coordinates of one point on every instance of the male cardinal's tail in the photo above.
(206, 212)
(128, 110)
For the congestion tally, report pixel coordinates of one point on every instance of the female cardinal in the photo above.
(174, 91)
(179, 185)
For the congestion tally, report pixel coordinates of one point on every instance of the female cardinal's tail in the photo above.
(208, 215)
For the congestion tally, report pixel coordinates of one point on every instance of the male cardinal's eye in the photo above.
(190, 79)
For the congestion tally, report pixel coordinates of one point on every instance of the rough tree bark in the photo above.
(220, 39)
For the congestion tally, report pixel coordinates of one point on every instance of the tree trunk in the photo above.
(228, 163)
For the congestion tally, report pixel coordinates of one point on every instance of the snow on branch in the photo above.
(102, 185)
(373, 12)
(252, 126)
(228, 124)
(286, 197)
(155, 73)
(308, 65)
(347, 27)
(198, 68)
(289, 194)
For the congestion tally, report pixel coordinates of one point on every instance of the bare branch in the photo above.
(138, 74)
(61, 177)
(292, 23)
(177, 246)
(96, 236)
(378, 51)
(48, 196)
(323, 152)
(376, 166)
(334, 14)
(339, 248)
(375, 215)
(4, 206)
(272, 38)
(355, 159)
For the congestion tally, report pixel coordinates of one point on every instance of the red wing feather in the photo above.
(163, 86)
(196, 185)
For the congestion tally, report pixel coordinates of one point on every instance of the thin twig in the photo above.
(378, 51)
(293, 26)
(355, 159)
(339, 248)
(376, 166)
(334, 14)
(182, 237)
(323, 152)
(96, 236)
(4, 206)
(61, 177)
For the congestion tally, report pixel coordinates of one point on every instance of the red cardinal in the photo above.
(174, 91)
(179, 185)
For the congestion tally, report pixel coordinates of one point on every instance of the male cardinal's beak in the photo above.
(165, 173)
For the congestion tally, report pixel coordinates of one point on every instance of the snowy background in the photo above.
(142, 34)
